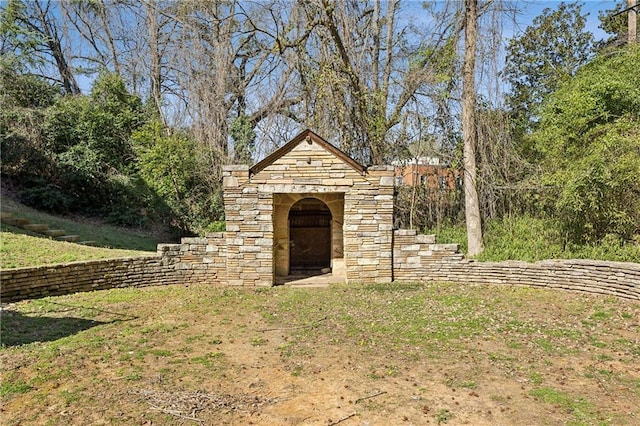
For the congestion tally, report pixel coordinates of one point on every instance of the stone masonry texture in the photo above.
(255, 248)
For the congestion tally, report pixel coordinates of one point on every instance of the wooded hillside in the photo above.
(128, 110)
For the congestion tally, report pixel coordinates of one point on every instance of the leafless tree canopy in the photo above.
(379, 78)
(372, 76)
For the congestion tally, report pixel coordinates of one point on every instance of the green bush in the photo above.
(169, 164)
(216, 226)
(532, 239)
(522, 238)
(44, 196)
(589, 140)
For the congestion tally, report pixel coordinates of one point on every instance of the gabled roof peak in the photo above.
(310, 137)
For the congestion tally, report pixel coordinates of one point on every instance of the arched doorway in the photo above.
(309, 236)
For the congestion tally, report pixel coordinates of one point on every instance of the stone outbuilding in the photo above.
(308, 207)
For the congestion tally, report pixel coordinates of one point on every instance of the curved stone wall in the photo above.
(415, 258)
(620, 279)
(193, 261)
(66, 278)
(418, 258)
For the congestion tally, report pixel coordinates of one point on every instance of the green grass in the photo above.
(75, 350)
(443, 416)
(582, 410)
(8, 388)
(104, 235)
(530, 239)
(20, 248)
(17, 249)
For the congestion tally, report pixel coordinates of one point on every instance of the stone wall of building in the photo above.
(257, 208)
(249, 233)
(368, 228)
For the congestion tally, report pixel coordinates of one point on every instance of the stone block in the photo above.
(405, 232)
(445, 247)
(385, 227)
(426, 239)
(236, 168)
(214, 235)
(387, 181)
(250, 249)
(277, 168)
(368, 261)
(248, 201)
(229, 181)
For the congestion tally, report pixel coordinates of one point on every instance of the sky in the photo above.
(533, 8)
(530, 9)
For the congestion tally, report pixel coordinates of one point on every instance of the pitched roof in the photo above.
(309, 136)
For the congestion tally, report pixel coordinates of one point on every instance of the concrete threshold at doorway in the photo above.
(315, 281)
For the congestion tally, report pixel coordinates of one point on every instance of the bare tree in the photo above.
(362, 70)
(49, 49)
(472, 205)
(92, 22)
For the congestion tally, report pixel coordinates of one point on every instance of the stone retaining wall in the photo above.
(54, 280)
(413, 254)
(193, 261)
(419, 258)
(415, 258)
(199, 259)
(620, 279)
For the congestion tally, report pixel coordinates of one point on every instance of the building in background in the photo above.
(427, 171)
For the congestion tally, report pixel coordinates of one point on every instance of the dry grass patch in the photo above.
(381, 354)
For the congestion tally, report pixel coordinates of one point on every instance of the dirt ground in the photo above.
(324, 357)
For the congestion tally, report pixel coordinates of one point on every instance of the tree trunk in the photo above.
(155, 72)
(471, 204)
(632, 22)
(50, 32)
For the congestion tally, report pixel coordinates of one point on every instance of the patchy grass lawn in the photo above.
(104, 235)
(18, 248)
(348, 354)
